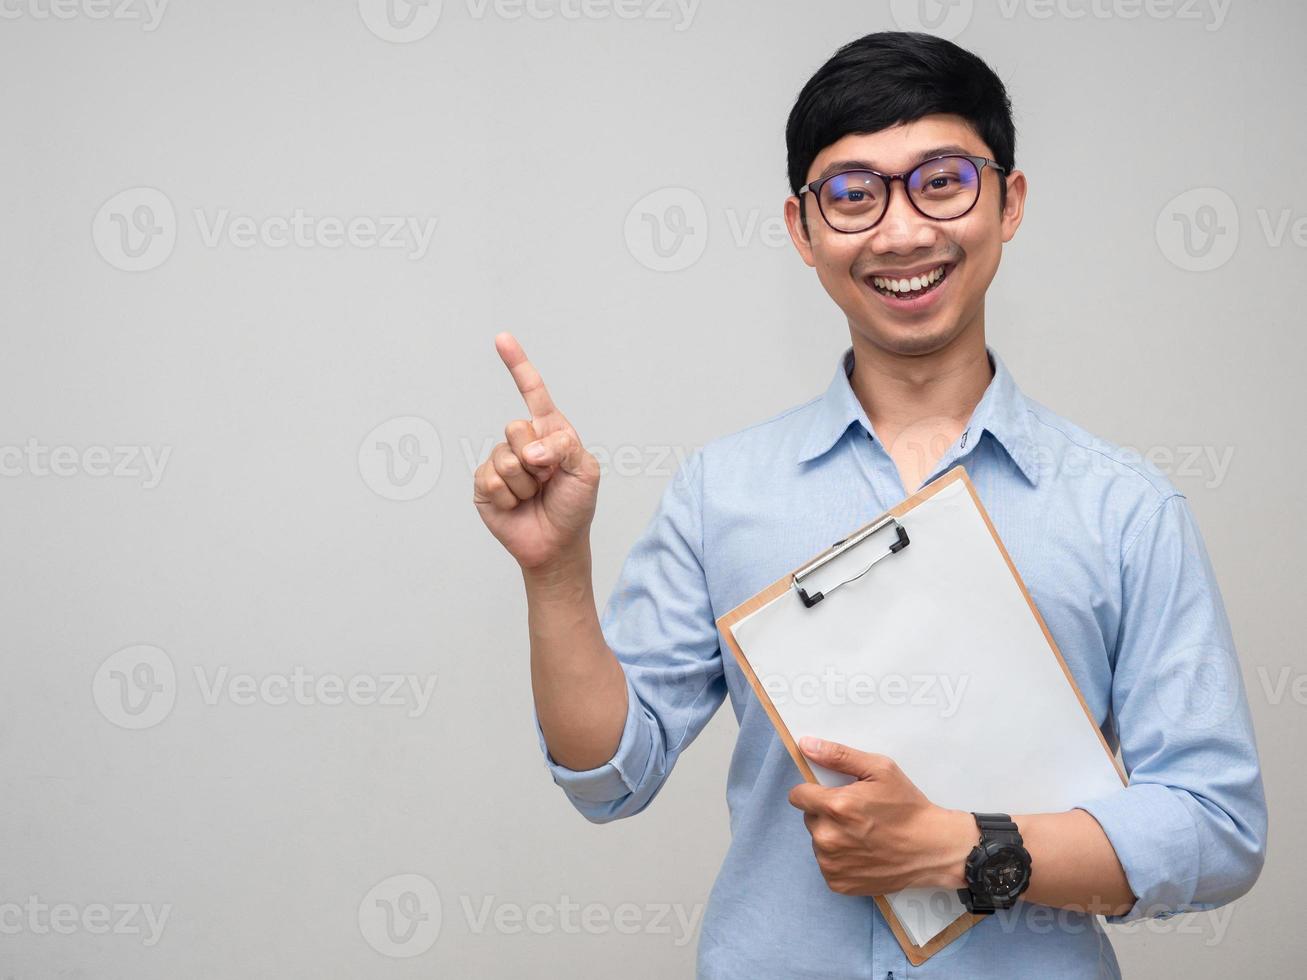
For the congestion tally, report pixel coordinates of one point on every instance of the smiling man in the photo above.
(901, 162)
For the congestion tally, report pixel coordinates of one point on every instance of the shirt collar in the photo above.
(1001, 411)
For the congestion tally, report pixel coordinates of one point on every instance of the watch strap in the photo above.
(998, 826)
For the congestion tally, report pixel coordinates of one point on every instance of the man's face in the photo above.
(905, 242)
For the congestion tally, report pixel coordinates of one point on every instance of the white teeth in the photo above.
(908, 285)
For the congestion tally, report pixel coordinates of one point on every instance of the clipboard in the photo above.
(927, 584)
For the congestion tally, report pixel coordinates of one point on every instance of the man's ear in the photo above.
(1015, 205)
(795, 222)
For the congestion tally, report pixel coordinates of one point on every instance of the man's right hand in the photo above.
(538, 507)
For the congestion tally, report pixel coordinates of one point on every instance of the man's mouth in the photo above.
(911, 287)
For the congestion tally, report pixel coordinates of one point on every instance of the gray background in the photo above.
(272, 833)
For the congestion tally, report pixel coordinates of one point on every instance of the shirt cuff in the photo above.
(620, 775)
(1157, 844)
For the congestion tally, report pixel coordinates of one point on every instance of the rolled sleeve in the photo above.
(621, 775)
(660, 625)
(1190, 828)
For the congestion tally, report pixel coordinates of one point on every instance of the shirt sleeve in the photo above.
(1190, 828)
(659, 623)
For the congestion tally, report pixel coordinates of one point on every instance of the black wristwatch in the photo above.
(998, 868)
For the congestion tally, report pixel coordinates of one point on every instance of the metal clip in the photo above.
(838, 548)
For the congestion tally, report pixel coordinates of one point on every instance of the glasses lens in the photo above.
(853, 201)
(945, 188)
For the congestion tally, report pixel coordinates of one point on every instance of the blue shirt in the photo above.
(1113, 559)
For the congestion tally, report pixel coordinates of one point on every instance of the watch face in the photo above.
(1003, 873)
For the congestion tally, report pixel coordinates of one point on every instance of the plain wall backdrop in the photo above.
(265, 707)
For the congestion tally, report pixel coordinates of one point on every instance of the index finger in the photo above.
(528, 379)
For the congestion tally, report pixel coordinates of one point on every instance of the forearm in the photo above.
(1072, 863)
(577, 681)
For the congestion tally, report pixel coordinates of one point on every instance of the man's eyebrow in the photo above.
(934, 151)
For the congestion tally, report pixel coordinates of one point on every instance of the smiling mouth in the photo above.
(911, 287)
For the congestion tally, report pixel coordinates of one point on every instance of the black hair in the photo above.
(892, 77)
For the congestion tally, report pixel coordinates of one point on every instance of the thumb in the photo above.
(843, 758)
(560, 448)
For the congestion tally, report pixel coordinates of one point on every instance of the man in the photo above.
(901, 160)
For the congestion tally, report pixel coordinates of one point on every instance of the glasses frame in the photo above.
(979, 162)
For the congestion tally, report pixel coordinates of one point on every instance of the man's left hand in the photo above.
(880, 834)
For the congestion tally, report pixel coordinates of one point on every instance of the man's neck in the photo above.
(940, 389)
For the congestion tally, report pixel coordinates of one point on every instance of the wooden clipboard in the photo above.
(792, 583)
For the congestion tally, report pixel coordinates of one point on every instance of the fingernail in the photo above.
(535, 451)
(810, 744)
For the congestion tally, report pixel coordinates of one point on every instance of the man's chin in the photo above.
(910, 339)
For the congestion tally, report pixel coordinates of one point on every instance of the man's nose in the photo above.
(902, 225)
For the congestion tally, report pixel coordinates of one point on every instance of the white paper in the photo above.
(946, 607)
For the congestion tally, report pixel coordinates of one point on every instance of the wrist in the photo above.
(563, 571)
(955, 838)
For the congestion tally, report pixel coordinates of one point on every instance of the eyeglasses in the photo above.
(942, 188)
